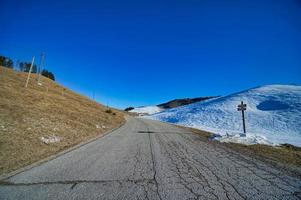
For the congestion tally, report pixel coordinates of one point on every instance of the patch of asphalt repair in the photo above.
(147, 159)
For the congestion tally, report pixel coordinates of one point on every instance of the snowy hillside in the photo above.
(273, 115)
(147, 110)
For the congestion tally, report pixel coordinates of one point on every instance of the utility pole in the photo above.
(41, 66)
(242, 107)
(17, 65)
(29, 72)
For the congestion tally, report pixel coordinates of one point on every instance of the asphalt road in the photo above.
(150, 160)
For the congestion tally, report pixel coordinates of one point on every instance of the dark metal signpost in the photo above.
(242, 107)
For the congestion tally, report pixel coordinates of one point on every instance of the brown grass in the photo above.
(284, 155)
(27, 114)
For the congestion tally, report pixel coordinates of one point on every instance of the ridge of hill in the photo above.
(182, 102)
(149, 110)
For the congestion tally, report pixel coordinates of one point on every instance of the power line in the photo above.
(41, 65)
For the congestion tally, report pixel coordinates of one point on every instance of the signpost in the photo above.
(242, 107)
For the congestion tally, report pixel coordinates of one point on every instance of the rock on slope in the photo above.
(273, 112)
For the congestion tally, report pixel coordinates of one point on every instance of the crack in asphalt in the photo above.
(154, 168)
(153, 160)
(174, 157)
(179, 156)
(75, 182)
(146, 132)
(163, 133)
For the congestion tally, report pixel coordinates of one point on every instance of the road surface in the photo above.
(147, 159)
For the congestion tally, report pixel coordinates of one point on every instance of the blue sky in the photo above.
(133, 53)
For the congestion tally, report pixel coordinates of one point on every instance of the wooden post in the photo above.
(243, 120)
(29, 72)
(242, 107)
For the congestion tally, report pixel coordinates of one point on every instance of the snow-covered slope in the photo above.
(273, 115)
(147, 110)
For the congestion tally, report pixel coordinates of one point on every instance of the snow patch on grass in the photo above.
(243, 139)
(100, 126)
(50, 139)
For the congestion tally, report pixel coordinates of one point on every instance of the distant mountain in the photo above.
(181, 102)
(273, 114)
(149, 110)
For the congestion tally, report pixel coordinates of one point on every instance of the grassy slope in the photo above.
(27, 114)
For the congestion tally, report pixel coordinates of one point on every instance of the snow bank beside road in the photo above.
(273, 112)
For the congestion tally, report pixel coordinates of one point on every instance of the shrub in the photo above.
(6, 62)
(129, 108)
(109, 111)
(25, 67)
(48, 74)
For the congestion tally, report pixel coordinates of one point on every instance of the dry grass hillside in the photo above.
(48, 110)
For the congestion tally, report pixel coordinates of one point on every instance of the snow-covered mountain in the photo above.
(273, 115)
(147, 110)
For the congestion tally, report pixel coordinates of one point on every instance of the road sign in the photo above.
(242, 107)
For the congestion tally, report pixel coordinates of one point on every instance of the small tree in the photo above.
(25, 67)
(128, 109)
(6, 62)
(9, 63)
(21, 66)
(48, 74)
(2, 61)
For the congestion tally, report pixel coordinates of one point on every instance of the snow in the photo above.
(100, 126)
(50, 139)
(273, 115)
(147, 110)
(248, 139)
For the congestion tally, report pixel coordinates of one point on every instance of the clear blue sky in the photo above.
(134, 53)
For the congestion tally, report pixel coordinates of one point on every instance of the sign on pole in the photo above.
(242, 107)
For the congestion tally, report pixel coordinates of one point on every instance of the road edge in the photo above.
(3, 177)
(291, 169)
